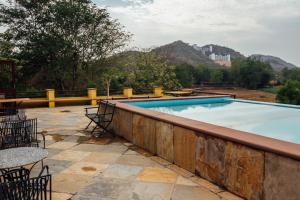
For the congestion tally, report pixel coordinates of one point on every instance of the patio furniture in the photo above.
(102, 117)
(19, 157)
(19, 133)
(179, 93)
(36, 188)
(15, 174)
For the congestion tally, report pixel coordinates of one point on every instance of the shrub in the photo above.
(289, 93)
(91, 85)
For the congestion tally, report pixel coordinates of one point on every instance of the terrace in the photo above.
(110, 168)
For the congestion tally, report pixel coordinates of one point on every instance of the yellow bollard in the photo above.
(51, 97)
(158, 92)
(127, 92)
(92, 94)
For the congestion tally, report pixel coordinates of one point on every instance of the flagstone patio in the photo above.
(86, 168)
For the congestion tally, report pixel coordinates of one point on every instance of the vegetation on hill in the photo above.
(244, 73)
(290, 74)
(179, 52)
(276, 63)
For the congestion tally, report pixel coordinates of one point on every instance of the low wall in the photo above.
(251, 166)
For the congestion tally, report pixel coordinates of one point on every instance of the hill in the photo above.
(182, 53)
(277, 63)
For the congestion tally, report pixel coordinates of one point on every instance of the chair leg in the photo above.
(94, 129)
(88, 125)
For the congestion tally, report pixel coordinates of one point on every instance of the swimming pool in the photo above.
(271, 120)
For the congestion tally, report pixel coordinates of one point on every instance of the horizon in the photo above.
(249, 27)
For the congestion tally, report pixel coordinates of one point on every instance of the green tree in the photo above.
(290, 74)
(202, 74)
(6, 46)
(185, 74)
(216, 76)
(56, 40)
(251, 74)
(289, 93)
(145, 70)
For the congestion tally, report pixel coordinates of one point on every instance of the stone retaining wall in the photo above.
(246, 171)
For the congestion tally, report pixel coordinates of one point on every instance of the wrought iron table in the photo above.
(22, 156)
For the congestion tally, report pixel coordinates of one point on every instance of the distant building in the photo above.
(224, 60)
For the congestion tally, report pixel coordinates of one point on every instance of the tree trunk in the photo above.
(74, 71)
(107, 87)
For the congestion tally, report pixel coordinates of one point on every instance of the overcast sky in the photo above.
(269, 27)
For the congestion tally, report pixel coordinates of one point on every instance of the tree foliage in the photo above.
(57, 40)
(290, 74)
(189, 75)
(289, 93)
(185, 74)
(147, 70)
(251, 74)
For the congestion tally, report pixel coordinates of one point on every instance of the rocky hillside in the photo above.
(277, 63)
(182, 53)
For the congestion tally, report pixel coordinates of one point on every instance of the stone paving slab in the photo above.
(152, 174)
(151, 191)
(71, 155)
(86, 168)
(107, 188)
(122, 171)
(102, 157)
(193, 193)
(57, 166)
(61, 196)
(184, 181)
(136, 160)
(70, 183)
(62, 145)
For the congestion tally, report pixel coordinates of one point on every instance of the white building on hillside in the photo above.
(224, 60)
(215, 57)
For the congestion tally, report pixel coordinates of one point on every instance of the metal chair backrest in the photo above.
(15, 175)
(102, 107)
(107, 110)
(18, 133)
(111, 112)
(37, 188)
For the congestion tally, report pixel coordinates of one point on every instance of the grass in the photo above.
(272, 90)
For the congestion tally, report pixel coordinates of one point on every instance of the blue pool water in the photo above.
(271, 120)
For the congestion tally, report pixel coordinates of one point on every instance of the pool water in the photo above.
(271, 120)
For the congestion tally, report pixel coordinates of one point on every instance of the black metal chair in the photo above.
(21, 133)
(25, 188)
(103, 117)
(14, 174)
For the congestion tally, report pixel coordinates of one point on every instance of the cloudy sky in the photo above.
(269, 27)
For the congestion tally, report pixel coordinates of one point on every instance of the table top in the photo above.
(22, 156)
(13, 100)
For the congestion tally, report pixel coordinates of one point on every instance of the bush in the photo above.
(289, 93)
(91, 85)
